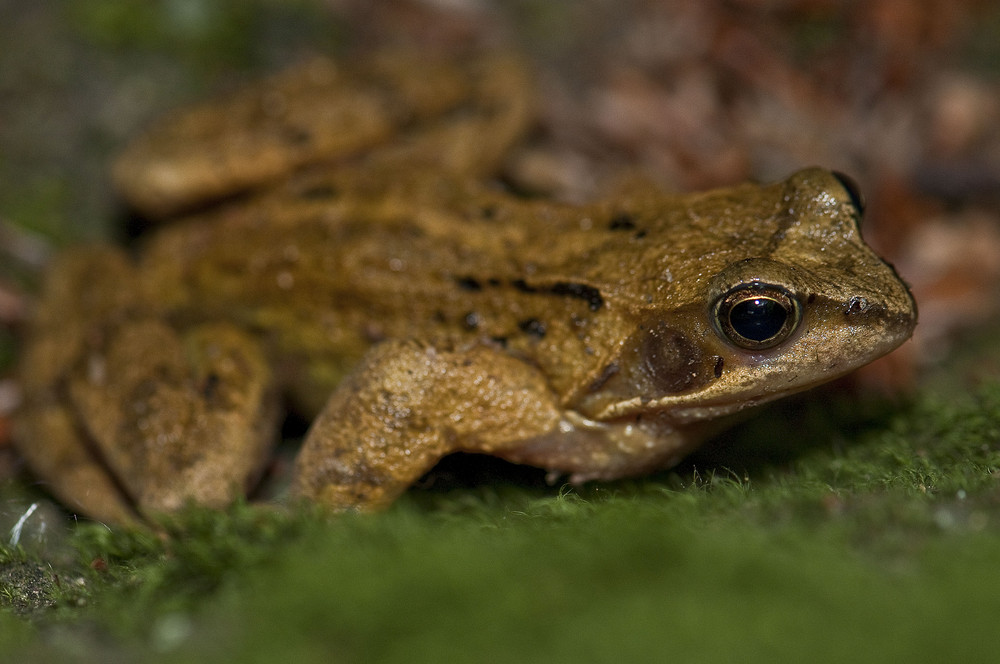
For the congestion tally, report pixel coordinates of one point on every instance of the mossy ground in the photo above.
(829, 528)
(878, 543)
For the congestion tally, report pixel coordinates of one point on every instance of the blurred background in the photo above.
(904, 95)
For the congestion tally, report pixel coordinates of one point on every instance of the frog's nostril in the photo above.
(856, 305)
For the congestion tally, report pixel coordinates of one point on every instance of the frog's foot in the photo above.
(405, 407)
(177, 418)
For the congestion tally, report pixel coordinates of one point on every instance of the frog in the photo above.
(381, 280)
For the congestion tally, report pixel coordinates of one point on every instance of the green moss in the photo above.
(206, 33)
(25, 587)
(873, 546)
(15, 634)
(625, 581)
(638, 574)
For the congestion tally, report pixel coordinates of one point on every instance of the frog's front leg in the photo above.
(406, 406)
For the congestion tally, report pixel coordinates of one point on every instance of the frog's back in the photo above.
(323, 269)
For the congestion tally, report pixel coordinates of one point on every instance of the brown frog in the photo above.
(385, 288)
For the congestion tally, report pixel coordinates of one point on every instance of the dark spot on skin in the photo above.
(500, 341)
(439, 316)
(584, 292)
(488, 212)
(605, 375)
(471, 320)
(639, 235)
(523, 286)
(533, 326)
(297, 136)
(589, 293)
(210, 387)
(811, 298)
(669, 359)
(318, 192)
(469, 283)
(856, 305)
(622, 222)
(493, 281)
(719, 366)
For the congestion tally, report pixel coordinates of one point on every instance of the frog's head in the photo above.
(800, 301)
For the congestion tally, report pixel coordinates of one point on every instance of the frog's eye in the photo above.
(757, 316)
(852, 189)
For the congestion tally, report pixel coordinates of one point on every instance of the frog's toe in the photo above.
(65, 465)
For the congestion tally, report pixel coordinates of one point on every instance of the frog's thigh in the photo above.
(179, 418)
(405, 407)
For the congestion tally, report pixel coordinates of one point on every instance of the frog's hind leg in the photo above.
(123, 413)
(179, 417)
(406, 406)
(81, 288)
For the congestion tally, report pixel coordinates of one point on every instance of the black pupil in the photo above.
(758, 319)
